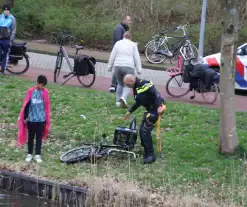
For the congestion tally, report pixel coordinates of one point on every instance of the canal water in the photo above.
(15, 199)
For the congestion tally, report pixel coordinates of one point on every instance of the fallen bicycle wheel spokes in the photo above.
(77, 154)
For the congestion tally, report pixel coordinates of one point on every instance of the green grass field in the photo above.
(191, 160)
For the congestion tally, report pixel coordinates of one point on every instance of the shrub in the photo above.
(94, 21)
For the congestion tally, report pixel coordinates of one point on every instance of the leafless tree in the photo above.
(234, 15)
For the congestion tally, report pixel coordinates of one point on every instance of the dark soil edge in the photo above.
(49, 190)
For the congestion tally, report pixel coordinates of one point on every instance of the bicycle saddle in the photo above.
(19, 44)
(79, 47)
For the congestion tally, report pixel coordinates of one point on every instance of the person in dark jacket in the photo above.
(118, 33)
(145, 95)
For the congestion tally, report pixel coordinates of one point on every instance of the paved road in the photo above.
(101, 56)
(48, 62)
(40, 63)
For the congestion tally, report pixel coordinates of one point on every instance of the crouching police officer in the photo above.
(145, 95)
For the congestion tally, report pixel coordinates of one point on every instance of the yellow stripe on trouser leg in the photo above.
(158, 138)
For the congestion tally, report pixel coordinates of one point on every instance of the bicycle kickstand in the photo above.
(194, 95)
(66, 76)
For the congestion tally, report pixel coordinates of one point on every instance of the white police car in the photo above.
(241, 66)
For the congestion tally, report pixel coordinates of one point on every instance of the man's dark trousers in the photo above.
(146, 128)
(4, 50)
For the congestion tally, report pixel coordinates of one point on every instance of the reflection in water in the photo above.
(15, 199)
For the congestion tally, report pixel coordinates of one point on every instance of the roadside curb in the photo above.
(145, 66)
(48, 190)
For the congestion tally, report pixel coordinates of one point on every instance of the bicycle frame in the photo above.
(109, 148)
(63, 54)
(178, 70)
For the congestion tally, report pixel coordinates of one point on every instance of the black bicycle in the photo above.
(18, 52)
(123, 142)
(157, 50)
(83, 69)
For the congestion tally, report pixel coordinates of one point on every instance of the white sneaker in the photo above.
(112, 89)
(38, 158)
(123, 103)
(29, 158)
(118, 104)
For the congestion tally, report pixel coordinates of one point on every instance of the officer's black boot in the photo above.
(148, 149)
(141, 130)
(146, 137)
(149, 159)
(149, 153)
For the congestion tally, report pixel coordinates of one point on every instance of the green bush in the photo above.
(211, 37)
(94, 21)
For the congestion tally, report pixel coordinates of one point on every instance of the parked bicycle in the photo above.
(83, 69)
(123, 142)
(18, 52)
(179, 88)
(157, 50)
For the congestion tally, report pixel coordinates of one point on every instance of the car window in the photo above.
(244, 50)
(239, 51)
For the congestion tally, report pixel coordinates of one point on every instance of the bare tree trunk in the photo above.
(228, 141)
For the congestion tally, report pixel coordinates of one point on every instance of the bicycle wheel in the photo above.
(209, 95)
(175, 89)
(76, 154)
(22, 71)
(57, 67)
(88, 80)
(191, 52)
(153, 46)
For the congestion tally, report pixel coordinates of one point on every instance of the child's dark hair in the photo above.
(42, 80)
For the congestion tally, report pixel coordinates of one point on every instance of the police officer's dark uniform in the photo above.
(146, 95)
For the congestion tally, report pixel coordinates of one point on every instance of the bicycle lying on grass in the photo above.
(123, 142)
(83, 69)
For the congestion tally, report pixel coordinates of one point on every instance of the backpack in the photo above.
(187, 69)
(4, 33)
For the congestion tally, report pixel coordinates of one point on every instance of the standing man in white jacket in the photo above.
(125, 59)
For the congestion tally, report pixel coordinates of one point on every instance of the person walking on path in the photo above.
(8, 32)
(125, 59)
(35, 118)
(118, 33)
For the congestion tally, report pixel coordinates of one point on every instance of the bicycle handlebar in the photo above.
(63, 37)
(182, 27)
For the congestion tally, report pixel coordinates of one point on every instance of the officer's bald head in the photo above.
(129, 80)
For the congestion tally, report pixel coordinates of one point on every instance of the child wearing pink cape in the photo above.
(34, 118)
